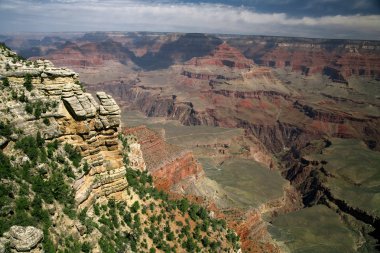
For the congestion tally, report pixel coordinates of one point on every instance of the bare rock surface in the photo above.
(22, 239)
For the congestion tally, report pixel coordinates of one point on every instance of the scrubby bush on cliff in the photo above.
(39, 182)
(5, 129)
(73, 154)
(86, 168)
(5, 167)
(29, 146)
(81, 85)
(135, 207)
(37, 107)
(183, 205)
(23, 98)
(86, 247)
(5, 82)
(28, 82)
(46, 121)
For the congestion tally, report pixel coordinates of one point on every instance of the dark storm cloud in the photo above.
(356, 19)
(300, 8)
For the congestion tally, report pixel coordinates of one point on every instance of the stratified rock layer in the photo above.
(169, 164)
(76, 118)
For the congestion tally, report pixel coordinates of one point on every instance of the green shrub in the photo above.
(96, 209)
(205, 241)
(14, 94)
(22, 204)
(68, 171)
(183, 205)
(60, 190)
(40, 141)
(86, 168)
(29, 146)
(69, 211)
(28, 82)
(86, 247)
(193, 210)
(128, 218)
(5, 129)
(23, 98)
(135, 207)
(170, 236)
(73, 154)
(29, 108)
(106, 246)
(82, 215)
(39, 107)
(48, 245)
(5, 82)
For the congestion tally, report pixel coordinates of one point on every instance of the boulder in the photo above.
(23, 239)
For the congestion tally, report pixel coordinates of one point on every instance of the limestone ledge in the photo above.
(90, 124)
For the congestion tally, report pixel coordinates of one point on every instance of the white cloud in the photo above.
(91, 15)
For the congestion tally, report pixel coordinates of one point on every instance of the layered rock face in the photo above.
(168, 164)
(176, 170)
(338, 59)
(90, 55)
(96, 135)
(223, 55)
(300, 90)
(78, 119)
(51, 118)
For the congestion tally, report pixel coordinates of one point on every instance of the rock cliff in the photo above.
(67, 170)
(339, 59)
(77, 119)
(168, 164)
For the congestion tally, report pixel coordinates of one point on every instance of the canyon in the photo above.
(257, 127)
(72, 181)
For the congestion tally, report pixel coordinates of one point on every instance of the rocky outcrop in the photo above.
(339, 59)
(209, 76)
(90, 54)
(168, 164)
(95, 133)
(97, 165)
(223, 56)
(76, 118)
(257, 94)
(22, 239)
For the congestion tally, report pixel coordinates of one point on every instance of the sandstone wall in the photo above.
(168, 164)
(90, 125)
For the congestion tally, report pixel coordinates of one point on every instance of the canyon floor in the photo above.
(285, 129)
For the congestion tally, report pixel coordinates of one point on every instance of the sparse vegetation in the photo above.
(37, 107)
(46, 121)
(5, 129)
(81, 85)
(48, 185)
(5, 82)
(73, 154)
(37, 177)
(28, 82)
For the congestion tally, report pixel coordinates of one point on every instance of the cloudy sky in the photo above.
(355, 19)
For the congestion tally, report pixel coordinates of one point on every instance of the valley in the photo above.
(278, 135)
